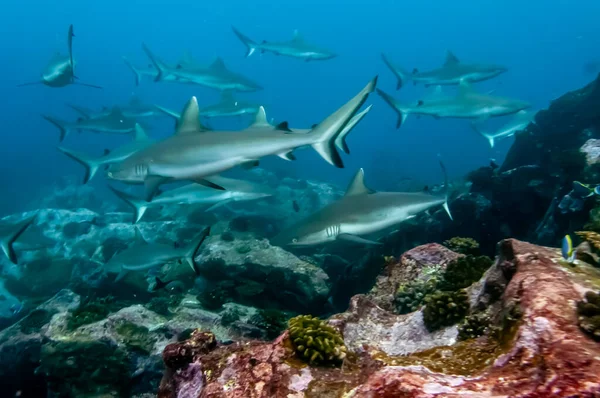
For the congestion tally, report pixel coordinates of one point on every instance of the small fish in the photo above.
(567, 250)
(296, 206)
(584, 190)
(16, 308)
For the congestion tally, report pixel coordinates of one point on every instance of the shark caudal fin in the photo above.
(92, 165)
(400, 110)
(192, 250)
(401, 75)
(446, 190)
(488, 137)
(333, 126)
(340, 140)
(11, 234)
(136, 72)
(162, 69)
(60, 125)
(250, 44)
(139, 205)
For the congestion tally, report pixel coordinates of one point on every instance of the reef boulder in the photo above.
(540, 351)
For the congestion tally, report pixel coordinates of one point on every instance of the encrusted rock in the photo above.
(178, 355)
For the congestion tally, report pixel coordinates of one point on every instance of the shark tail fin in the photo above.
(192, 250)
(401, 75)
(446, 190)
(334, 125)
(488, 137)
(13, 234)
(91, 165)
(161, 68)
(139, 205)
(400, 110)
(136, 72)
(250, 44)
(340, 140)
(61, 125)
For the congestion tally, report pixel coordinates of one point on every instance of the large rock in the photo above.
(264, 274)
(542, 352)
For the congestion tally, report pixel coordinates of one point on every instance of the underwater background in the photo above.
(545, 45)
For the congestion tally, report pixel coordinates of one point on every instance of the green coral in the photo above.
(410, 296)
(89, 311)
(315, 341)
(466, 246)
(474, 325)
(445, 309)
(35, 320)
(85, 368)
(588, 311)
(273, 322)
(134, 336)
(463, 272)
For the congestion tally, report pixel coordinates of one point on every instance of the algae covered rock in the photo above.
(445, 309)
(273, 322)
(588, 311)
(475, 325)
(315, 341)
(464, 246)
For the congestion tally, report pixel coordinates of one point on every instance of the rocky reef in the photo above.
(532, 344)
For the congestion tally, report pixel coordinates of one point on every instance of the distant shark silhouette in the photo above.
(60, 71)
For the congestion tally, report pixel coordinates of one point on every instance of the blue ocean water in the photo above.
(544, 44)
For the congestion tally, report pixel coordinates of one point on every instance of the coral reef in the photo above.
(410, 296)
(213, 298)
(163, 304)
(463, 245)
(134, 336)
(474, 325)
(463, 272)
(315, 341)
(588, 311)
(445, 309)
(178, 355)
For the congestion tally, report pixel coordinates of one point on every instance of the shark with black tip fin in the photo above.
(215, 76)
(467, 104)
(10, 233)
(295, 48)
(194, 154)
(361, 213)
(190, 194)
(60, 71)
(143, 255)
(111, 123)
(92, 165)
(451, 73)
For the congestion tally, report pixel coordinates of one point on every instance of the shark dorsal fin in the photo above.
(451, 59)
(357, 185)
(297, 38)
(227, 97)
(218, 65)
(140, 134)
(465, 88)
(260, 120)
(139, 238)
(189, 121)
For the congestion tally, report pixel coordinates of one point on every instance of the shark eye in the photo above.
(295, 240)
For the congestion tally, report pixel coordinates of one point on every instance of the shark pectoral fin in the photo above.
(287, 155)
(151, 183)
(209, 184)
(357, 239)
(250, 164)
(121, 275)
(219, 204)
